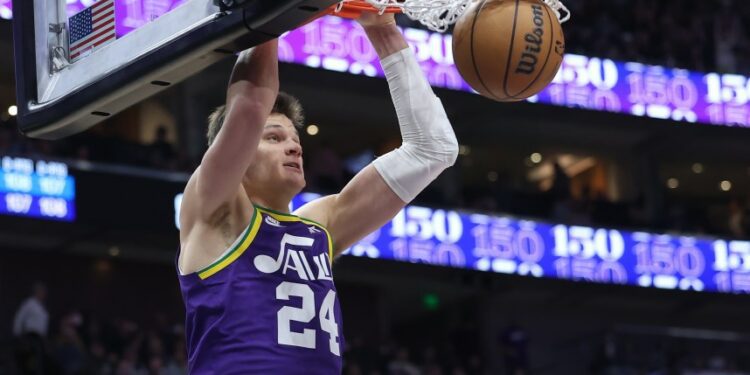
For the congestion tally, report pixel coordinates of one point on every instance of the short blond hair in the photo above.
(285, 104)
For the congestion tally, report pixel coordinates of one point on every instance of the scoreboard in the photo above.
(36, 188)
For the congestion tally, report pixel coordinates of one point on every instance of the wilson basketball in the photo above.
(508, 50)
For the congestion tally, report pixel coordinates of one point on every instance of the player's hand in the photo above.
(368, 19)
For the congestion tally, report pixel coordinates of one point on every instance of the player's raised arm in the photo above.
(252, 91)
(429, 146)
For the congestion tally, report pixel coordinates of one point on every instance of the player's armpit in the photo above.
(365, 204)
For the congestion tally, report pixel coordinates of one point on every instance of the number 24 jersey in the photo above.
(268, 305)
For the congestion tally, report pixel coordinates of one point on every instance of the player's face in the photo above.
(278, 162)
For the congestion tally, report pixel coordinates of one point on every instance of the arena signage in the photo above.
(337, 44)
(512, 246)
(36, 188)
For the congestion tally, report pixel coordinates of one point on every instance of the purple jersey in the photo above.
(268, 305)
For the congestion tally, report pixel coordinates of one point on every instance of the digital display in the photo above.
(535, 249)
(129, 14)
(6, 9)
(337, 44)
(39, 189)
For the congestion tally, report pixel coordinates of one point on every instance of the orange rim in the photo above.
(354, 8)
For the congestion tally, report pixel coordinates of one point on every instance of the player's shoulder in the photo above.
(317, 210)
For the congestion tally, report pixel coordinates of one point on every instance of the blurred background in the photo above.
(602, 227)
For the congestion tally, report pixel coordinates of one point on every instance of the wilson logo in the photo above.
(530, 56)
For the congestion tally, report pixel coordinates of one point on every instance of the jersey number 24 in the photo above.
(305, 314)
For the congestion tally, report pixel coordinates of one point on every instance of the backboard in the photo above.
(74, 70)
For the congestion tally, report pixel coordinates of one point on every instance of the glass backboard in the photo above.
(81, 61)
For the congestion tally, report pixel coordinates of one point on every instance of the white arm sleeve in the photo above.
(429, 145)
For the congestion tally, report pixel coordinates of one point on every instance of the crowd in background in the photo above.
(632, 354)
(707, 36)
(77, 343)
(327, 172)
(82, 343)
(159, 153)
(392, 358)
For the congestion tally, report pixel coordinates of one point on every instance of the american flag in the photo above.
(91, 28)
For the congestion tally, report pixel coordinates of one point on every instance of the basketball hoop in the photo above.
(437, 15)
(354, 8)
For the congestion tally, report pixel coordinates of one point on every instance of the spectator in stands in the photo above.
(430, 363)
(126, 366)
(358, 357)
(98, 361)
(691, 34)
(177, 363)
(68, 347)
(738, 219)
(514, 343)
(162, 151)
(565, 207)
(402, 365)
(561, 185)
(155, 366)
(727, 33)
(30, 329)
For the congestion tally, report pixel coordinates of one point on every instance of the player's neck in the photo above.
(280, 204)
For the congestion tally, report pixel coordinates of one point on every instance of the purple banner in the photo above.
(129, 14)
(340, 45)
(507, 245)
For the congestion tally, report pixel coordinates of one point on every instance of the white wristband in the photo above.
(429, 145)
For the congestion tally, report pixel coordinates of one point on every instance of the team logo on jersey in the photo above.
(313, 230)
(273, 222)
(292, 257)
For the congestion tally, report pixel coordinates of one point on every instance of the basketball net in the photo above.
(437, 15)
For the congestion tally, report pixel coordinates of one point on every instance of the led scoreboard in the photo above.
(36, 188)
(528, 248)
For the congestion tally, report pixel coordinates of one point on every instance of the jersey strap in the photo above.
(237, 250)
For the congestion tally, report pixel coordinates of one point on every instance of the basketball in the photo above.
(508, 50)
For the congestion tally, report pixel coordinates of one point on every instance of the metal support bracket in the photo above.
(227, 5)
(58, 54)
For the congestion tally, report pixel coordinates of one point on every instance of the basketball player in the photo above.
(256, 280)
